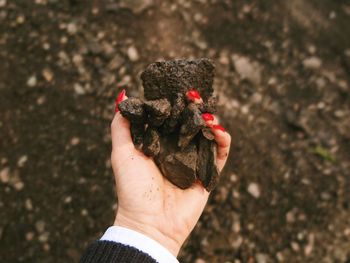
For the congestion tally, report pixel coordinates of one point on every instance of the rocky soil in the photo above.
(283, 81)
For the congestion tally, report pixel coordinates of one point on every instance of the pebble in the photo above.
(44, 237)
(247, 69)
(75, 141)
(295, 246)
(20, 19)
(136, 6)
(5, 175)
(22, 160)
(68, 199)
(254, 190)
(199, 260)
(19, 185)
(261, 258)
(312, 63)
(40, 226)
(47, 74)
(72, 28)
(28, 204)
(46, 247)
(2, 3)
(79, 90)
(32, 81)
(41, 100)
(339, 114)
(29, 236)
(133, 53)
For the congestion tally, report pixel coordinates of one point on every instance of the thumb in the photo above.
(120, 131)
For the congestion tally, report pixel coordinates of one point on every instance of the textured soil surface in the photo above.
(283, 80)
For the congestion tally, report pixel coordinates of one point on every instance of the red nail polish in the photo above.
(119, 99)
(193, 95)
(219, 127)
(207, 117)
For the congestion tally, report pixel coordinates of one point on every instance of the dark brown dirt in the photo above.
(283, 78)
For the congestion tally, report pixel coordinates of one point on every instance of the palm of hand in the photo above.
(147, 199)
(147, 202)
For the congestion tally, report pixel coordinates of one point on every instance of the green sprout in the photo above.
(323, 153)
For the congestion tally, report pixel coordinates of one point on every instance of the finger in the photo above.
(120, 132)
(222, 138)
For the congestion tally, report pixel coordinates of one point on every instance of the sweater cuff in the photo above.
(141, 242)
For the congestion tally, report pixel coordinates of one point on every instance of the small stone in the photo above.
(72, 28)
(20, 19)
(40, 226)
(84, 212)
(68, 199)
(28, 204)
(247, 69)
(77, 59)
(295, 246)
(75, 141)
(47, 74)
(32, 81)
(261, 258)
(5, 175)
(136, 6)
(41, 100)
(290, 216)
(44, 237)
(79, 90)
(46, 46)
(18, 185)
(199, 260)
(22, 160)
(254, 190)
(46, 247)
(339, 114)
(2, 3)
(29, 236)
(133, 53)
(312, 63)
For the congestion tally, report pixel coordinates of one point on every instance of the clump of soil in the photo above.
(168, 124)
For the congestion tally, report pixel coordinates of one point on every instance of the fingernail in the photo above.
(219, 127)
(207, 117)
(194, 96)
(119, 99)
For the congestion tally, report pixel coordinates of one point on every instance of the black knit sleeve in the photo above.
(112, 252)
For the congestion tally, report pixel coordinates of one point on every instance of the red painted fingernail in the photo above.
(119, 99)
(207, 117)
(193, 95)
(219, 127)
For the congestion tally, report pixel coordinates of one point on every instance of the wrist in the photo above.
(149, 230)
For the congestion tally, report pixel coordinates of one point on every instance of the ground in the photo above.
(283, 80)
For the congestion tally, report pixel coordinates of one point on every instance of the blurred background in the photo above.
(283, 80)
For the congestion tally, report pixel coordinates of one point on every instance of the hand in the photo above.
(147, 202)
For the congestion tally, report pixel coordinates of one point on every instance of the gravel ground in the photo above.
(283, 80)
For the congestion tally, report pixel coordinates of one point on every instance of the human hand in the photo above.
(147, 202)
